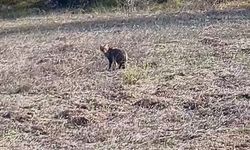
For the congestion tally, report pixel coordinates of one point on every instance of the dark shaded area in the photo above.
(16, 9)
(12, 9)
(70, 3)
(50, 4)
(181, 19)
(150, 104)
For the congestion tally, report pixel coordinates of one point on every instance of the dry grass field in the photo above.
(187, 84)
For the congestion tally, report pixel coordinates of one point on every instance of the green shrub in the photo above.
(133, 75)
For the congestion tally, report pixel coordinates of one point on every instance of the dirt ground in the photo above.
(186, 85)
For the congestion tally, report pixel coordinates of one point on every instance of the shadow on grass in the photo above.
(156, 21)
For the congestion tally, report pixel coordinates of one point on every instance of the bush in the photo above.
(133, 75)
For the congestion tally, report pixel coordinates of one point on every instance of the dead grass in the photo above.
(240, 4)
(56, 93)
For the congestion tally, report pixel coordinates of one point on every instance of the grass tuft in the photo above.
(133, 75)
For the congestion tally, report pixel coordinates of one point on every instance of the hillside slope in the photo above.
(186, 87)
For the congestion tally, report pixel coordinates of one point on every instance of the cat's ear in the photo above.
(106, 47)
(102, 48)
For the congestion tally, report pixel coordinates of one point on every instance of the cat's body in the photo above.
(115, 55)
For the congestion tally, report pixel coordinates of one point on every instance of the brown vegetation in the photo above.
(186, 86)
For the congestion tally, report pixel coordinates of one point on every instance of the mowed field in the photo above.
(186, 86)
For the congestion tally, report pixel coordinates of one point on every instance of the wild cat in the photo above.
(114, 56)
